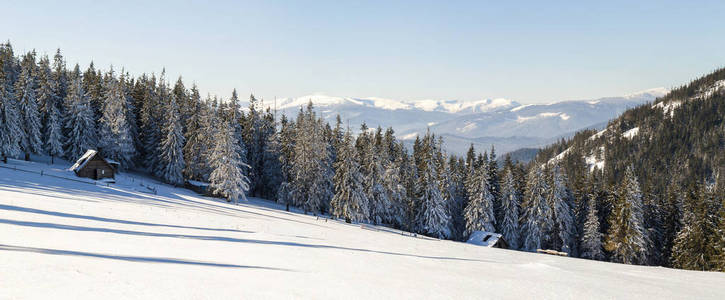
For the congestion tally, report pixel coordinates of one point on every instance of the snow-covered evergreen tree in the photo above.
(479, 213)
(115, 137)
(198, 129)
(271, 167)
(537, 220)
(591, 244)
(172, 156)
(433, 218)
(696, 245)
(30, 139)
(309, 167)
(227, 178)
(52, 132)
(563, 231)
(627, 239)
(10, 130)
(379, 203)
(510, 207)
(350, 201)
(79, 122)
(150, 113)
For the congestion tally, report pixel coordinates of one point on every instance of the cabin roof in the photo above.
(83, 160)
(484, 238)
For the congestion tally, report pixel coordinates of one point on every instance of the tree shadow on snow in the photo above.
(101, 219)
(130, 258)
(215, 238)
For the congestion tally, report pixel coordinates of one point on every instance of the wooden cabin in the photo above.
(93, 165)
(488, 239)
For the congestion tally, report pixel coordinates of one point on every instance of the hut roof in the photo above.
(81, 162)
(484, 238)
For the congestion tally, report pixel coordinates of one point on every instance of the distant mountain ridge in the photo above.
(504, 123)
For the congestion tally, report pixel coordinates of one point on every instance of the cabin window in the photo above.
(486, 238)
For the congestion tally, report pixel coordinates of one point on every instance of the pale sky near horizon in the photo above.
(528, 51)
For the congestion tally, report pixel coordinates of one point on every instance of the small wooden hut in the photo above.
(93, 165)
(488, 239)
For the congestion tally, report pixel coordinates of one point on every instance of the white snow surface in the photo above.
(593, 162)
(631, 133)
(62, 239)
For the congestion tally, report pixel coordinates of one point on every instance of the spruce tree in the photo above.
(227, 177)
(150, 113)
(563, 231)
(510, 206)
(30, 139)
(696, 245)
(627, 239)
(433, 218)
(591, 244)
(197, 131)
(116, 142)
(172, 158)
(79, 122)
(537, 220)
(479, 212)
(10, 130)
(52, 134)
(350, 201)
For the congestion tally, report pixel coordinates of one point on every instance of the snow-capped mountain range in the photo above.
(506, 124)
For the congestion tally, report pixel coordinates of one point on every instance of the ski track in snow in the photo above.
(62, 239)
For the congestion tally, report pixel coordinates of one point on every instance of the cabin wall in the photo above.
(89, 170)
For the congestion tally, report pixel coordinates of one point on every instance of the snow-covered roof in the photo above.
(484, 238)
(81, 162)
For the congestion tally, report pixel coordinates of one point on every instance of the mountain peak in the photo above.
(653, 92)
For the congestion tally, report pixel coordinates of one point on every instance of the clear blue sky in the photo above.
(535, 51)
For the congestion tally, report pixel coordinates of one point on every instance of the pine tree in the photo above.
(378, 200)
(150, 112)
(673, 221)
(30, 139)
(719, 237)
(592, 237)
(79, 122)
(510, 206)
(309, 169)
(52, 134)
(10, 130)
(172, 157)
(227, 178)
(627, 239)
(115, 137)
(196, 146)
(271, 167)
(350, 200)
(479, 213)
(537, 220)
(494, 184)
(433, 218)
(559, 195)
(696, 245)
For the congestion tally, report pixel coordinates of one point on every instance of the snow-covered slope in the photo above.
(62, 239)
(504, 123)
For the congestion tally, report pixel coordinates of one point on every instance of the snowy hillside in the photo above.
(142, 239)
(504, 123)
